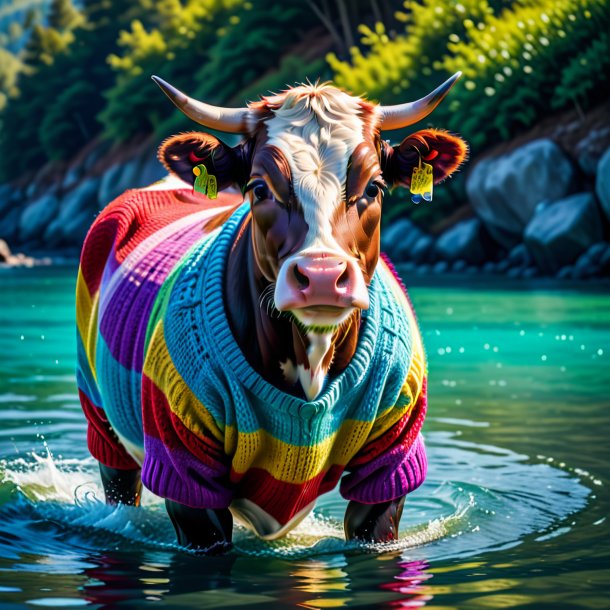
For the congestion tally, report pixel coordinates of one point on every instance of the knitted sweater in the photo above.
(164, 385)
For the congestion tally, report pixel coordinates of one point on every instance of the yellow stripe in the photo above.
(159, 367)
(86, 320)
(291, 463)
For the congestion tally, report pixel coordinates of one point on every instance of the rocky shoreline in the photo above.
(532, 212)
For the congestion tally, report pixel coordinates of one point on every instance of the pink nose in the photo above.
(321, 280)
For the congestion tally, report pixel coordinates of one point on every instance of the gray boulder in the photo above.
(77, 211)
(602, 183)
(559, 234)
(505, 190)
(423, 249)
(589, 263)
(36, 216)
(465, 240)
(398, 239)
(150, 170)
(6, 197)
(9, 224)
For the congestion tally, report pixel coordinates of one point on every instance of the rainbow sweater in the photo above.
(165, 387)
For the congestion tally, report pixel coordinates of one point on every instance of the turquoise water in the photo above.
(512, 515)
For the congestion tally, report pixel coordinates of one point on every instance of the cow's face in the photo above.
(314, 170)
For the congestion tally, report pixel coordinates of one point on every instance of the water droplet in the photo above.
(543, 358)
(600, 352)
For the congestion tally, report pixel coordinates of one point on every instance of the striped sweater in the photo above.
(165, 387)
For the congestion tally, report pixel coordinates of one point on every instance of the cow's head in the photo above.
(314, 168)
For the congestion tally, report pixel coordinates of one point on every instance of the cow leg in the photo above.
(121, 486)
(204, 529)
(373, 522)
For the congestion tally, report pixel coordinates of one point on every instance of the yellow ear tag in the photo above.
(212, 187)
(422, 182)
(201, 179)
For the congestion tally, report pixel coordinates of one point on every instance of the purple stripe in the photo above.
(389, 476)
(178, 475)
(124, 319)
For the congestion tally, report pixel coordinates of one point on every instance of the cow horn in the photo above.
(230, 120)
(401, 115)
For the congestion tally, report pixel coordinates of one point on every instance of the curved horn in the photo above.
(230, 120)
(401, 115)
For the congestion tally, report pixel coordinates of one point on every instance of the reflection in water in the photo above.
(181, 580)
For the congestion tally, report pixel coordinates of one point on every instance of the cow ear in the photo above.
(444, 151)
(181, 153)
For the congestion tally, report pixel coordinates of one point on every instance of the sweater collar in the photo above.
(231, 357)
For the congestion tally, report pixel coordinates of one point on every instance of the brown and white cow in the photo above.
(314, 167)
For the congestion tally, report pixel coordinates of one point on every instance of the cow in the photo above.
(242, 351)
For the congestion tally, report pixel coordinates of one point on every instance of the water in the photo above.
(512, 515)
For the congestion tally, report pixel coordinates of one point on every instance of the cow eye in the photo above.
(373, 188)
(260, 190)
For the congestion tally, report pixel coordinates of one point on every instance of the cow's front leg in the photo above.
(373, 522)
(204, 529)
(121, 486)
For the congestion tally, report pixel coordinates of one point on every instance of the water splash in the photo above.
(57, 504)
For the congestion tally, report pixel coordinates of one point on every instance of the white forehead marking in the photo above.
(317, 127)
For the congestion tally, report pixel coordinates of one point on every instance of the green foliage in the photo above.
(580, 79)
(513, 63)
(404, 67)
(519, 60)
(63, 16)
(174, 44)
(10, 67)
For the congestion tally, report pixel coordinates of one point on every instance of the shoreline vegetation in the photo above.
(533, 201)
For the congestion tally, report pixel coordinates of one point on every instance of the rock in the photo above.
(459, 265)
(565, 273)
(602, 183)
(14, 260)
(562, 232)
(440, 267)
(604, 262)
(505, 190)
(519, 256)
(398, 239)
(514, 272)
(77, 211)
(110, 186)
(9, 224)
(590, 263)
(591, 148)
(151, 170)
(36, 216)
(422, 250)
(465, 240)
(72, 176)
(6, 197)
(530, 272)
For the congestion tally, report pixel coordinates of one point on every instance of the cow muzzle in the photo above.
(320, 288)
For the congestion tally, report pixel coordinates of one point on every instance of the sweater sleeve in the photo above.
(392, 462)
(184, 459)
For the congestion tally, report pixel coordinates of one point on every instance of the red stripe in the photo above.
(280, 499)
(102, 442)
(160, 422)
